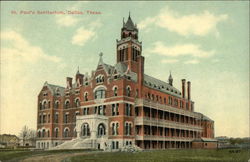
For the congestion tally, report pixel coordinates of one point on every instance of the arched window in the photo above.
(128, 91)
(56, 105)
(43, 133)
(86, 96)
(77, 102)
(85, 129)
(101, 130)
(39, 133)
(115, 128)
(115, 91)
(67, 104)
(48, 133)
(66, 132)
(56, 132)
(44, 105)
(100, 93)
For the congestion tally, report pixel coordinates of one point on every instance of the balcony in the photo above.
(164, 123)
(162, 138)
(163, 107)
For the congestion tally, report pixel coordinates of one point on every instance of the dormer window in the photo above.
(99, 79)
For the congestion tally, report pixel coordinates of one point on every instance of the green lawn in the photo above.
(15, 155)
(168, 156)
(172, 155)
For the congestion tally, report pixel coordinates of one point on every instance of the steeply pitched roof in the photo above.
(204, 117)
(129, 25)
(160, 85)
(55, 89)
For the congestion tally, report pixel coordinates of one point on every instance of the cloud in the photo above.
(20, 49)
(192, 62)
(193, 24)
(180, 50)
(87, 33)
(169, 61)
(82, 36)
(66, 20)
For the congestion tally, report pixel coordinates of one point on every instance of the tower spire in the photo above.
(170, 79)
(100, 59)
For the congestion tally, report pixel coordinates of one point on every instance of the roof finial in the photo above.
(100, 59)
(78, 72)
(129, 14)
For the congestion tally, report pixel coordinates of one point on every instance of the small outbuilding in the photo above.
(205, 143)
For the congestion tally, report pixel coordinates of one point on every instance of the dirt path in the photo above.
(51, 158)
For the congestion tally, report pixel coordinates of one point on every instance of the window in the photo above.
(67, 104)
(100, 110)
(44, 106)
(77, 102)
(56, 132)
(175, 102)
(48, 118)
(40, 106)
(43, 133)
(44, 118)
(136, 93)
(115, 128)
(101, 130)
(99, 94)
(128, 111)
(56, 118)
(128, 91)
(99, 79)
(115, 109)
(115, 91)
(170, 100)
(128, 128)
(56, 105)
(66, 118)
(86, 96)
(85, 111)
(48, 104)
(48, 134)
(39, 133)
(40, 119)
(66, 132)
(85, 129)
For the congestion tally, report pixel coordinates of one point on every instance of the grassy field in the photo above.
(167, 156)
(17, 155)
(146, 156)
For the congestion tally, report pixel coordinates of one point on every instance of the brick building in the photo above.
(120, 105)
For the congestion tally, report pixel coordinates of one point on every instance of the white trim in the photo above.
(66, 128)
(100, 86)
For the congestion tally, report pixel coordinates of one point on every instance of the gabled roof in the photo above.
(55, 89)
(160, 85)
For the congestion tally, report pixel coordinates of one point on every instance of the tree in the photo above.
(27, 134)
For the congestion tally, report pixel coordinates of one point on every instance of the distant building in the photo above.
(120, 105)
(8, 140)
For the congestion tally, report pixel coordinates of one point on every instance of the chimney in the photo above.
(189, 89)
(183, 87)
(79, 79)
(69, 82)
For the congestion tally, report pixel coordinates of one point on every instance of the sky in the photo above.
(206, 43)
